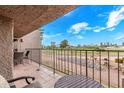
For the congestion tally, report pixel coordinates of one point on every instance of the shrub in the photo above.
(123, 58)
(120, 60)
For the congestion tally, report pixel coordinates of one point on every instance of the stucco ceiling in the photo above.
(29, 18)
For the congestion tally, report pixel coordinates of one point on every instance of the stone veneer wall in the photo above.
(6, 45)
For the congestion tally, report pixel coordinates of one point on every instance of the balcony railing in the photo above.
(104, 66)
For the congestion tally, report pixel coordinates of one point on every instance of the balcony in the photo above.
(48, 65)
(45, 76)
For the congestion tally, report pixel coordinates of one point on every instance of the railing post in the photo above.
(100, 64)
(68, 61)
(39, 58)
(61, 60)
(93, 63)
(76, 62)
(118, 71)
(86, 63)
(71, 62)
(53, 61)
(80, 63)
(64, 61)
(108, 68)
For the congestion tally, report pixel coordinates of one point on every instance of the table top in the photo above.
(77, 81)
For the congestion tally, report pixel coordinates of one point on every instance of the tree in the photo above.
(122, 43)
(101, 44)
(53, 45)
(108, 44)
(78, 46)
(64, 44)
(115, 44)
(48, 47)
(111, 44)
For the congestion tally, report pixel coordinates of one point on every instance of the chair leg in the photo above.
(28, 61)
(23, 61)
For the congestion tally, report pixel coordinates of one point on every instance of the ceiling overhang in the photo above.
(29, 18)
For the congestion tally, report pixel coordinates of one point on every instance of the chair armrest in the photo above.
(20, 78)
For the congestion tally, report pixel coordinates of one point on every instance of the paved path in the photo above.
(82, 62)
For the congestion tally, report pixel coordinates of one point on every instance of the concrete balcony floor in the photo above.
(45, 76)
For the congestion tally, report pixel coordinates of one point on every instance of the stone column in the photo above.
(6, 47)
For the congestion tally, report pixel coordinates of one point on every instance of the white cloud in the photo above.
(76, 28)
(101, 15)
(119, 37)
(52, 36)
(104, 14)
(115, 17)
(79, 37)
(111, 29)
(79, 26)
(98, 29)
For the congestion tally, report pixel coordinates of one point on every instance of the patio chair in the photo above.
(18, 58)
(26, 55)
(10, 83)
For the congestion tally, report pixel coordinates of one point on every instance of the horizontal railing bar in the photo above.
(73, 49)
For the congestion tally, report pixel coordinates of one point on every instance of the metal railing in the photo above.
(104, 66)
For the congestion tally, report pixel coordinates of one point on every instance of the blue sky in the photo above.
(87, 25)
